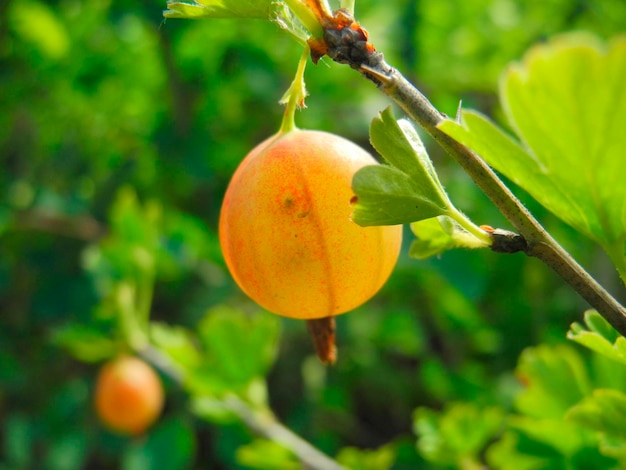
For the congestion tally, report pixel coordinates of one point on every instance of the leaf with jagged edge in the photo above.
(218, 9)
(599, 337)
(407, 189)
(604, 411)
(566, 101)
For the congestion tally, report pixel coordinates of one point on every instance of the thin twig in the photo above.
(80, 227)
(261, 421)
(266, 425)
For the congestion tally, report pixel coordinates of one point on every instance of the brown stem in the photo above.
(260, 420)
(82, 227)
(350, 46)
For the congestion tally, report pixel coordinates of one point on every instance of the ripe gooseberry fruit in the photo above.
(129, 395)
(286, 233)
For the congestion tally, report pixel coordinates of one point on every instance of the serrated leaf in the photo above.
(177, 343)
(84, 342)
(432, 238)
(387, 196)
(264, 454)
(406, 190)
(239, 347)
(381, 458)
(506, 454)
(556, 433)
(439, 234)
(459, 432)
(567, 103)
(212, 409)
(600, 337)
(400, 145)
(555, 378)
(603, 411)
(218, 9)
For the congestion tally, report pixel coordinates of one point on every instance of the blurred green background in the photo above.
(103, 102)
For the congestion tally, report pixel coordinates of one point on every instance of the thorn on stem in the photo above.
(505, 241)
(378, 76)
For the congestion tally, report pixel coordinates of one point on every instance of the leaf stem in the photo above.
(306, 16)
(348, 5)
(295, 95)
(540, 243)
(469, 226)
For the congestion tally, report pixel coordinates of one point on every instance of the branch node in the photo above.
(505, 241)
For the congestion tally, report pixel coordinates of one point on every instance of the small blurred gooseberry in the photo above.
(129, 395)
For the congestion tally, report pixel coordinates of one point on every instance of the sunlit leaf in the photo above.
(406, 190)
(178, 345)
(263, 454)
(567, 102)
(604, 411)
(37, 23)
(85, 342)
(381, 458)
(212, 409)
(599, 337)
(218, 9)
(556, 433)
(386, 196)
(439, 234)
(512, 452)
(457, 434)
(239, 348)
(555, 379)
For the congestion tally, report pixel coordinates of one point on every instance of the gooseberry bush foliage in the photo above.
(557, 140)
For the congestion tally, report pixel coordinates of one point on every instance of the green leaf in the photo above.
(38, 24)
(458, 433)
(212, 409)
(218, 9)
(171, 445)
(263, 454)
(19, 441)
(439, 234)
(400, 145)
(386, 196)
(239, 348)
(603, 411)
(433, 238)
(406, 190)
(177, 343)
(506, 454)
(567, 103)
(599, 337)
(381, 458)
(556, 433)
(84, 342)
(555, 379)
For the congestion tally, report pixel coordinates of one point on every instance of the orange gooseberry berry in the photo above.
(286, 232)
(128, 395)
